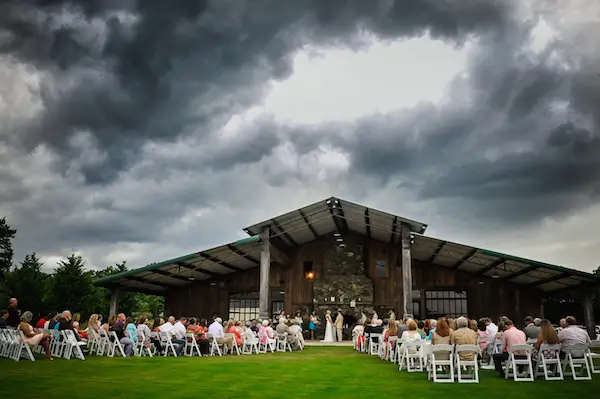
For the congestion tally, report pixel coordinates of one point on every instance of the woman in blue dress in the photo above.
(312, 324)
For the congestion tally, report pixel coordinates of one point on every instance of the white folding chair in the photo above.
(464, 365)
(72, 346)
(22, 348)
(114, 345)
(548, 363)
(282, 344)
(145, 346)
(576, 358)
(591, 355)
(266, 343)
(57, 345)
(103, 343)
(410, 357)
(250, 343)
(374, 343)
(439, 364)
(191, 347)
(93, 341)
(213, 346)
(513, 363)
(167, 344)
(234, 347)
(391, 349)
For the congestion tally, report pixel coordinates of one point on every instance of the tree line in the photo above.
(67, 286)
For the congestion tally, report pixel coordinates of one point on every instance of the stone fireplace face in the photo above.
(343, 279)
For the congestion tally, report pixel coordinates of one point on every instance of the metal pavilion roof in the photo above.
(331, 215)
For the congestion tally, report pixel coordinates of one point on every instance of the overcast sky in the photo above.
(144, 130)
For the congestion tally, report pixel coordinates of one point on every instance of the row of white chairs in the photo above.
(421, 356)
(63, 344)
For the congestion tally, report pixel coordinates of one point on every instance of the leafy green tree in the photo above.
(72, 285)
(28, 283)
(6, 252)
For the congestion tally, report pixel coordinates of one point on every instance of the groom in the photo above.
(339, 322)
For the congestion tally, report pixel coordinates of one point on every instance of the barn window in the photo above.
(244, 306)
(381, 268)
(446, 303)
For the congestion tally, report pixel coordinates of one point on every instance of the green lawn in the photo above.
(315, 373)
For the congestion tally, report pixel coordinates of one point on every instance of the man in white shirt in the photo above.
(491, 328)
(179, 328)
(216, 330)
(169, 328)
(573, 335)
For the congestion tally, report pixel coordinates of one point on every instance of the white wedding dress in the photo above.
(328, 330)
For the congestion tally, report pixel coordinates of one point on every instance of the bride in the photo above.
(328, 328)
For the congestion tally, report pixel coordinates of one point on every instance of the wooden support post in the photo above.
(406, 273)
(114, 302)
(588, 314)
(265, 265)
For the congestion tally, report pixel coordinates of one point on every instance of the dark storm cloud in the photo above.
(129, 71)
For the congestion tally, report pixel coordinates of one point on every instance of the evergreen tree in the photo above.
(6, 251)
(28, 283)
(71, 286)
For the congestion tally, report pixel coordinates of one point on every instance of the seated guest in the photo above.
(463, 336)
(3, 317)
(511, 336)
(392, 331)
(282, 326)
(168, 328)
(131, 329)
(432, 325)
(235, 331)
(53, 321)
(572, 335)
(473, 325)
(267, 330)
(198, 332)
(31, 337)
(376, 327)
(441, 336)
(295, 334)
(531, 330)
(421, 330)
(142, 329)
(81, 333)
(40, 323)
(119, 329)
(216, 330)
(547, 336)
(93, 326)
(66, 323)
(411, 335)
(156, 329)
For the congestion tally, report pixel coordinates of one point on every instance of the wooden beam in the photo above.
(394, 228)
(133, 289)
(156, 283)
(334, 216)
(436, 252)
(491, 266)
(465, 258)
(549, 280)
(279, 255)
(165, 273)
(285, 234)
(264, 274)
(243, 254)
(521, 272)
(198, 269)
(219, 262)
(341, 214)
(368, 222)
(310, 227)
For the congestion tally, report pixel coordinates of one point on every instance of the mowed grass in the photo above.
(337, 372)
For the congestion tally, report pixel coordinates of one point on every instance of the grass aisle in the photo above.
(326, 372)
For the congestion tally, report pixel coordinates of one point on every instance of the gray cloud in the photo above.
(131, 71)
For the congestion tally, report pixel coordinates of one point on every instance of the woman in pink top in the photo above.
(233, 330)
(267, 330)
